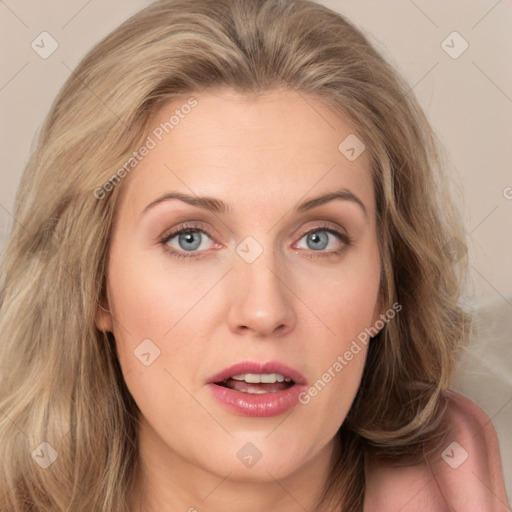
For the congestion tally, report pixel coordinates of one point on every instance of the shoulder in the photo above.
(463, 474)
(468, 469)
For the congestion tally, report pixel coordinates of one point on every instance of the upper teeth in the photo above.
(266, 378)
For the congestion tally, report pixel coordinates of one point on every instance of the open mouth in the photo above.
(257, 384)
(257, 389)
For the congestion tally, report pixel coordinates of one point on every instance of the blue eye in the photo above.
(317, 240)
(188, 239)
(324, 238)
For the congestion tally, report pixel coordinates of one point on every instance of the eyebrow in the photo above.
(342, 194)
(218, 206)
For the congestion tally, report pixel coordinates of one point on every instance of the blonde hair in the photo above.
(61, 381)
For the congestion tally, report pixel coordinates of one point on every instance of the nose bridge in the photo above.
(261, 300)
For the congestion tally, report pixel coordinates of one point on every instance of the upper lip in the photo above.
(258, 368)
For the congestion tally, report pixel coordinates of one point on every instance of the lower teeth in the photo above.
(256, 391)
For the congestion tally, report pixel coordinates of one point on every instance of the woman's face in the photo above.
(275, 275)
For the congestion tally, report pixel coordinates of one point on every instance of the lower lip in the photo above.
(262, 405)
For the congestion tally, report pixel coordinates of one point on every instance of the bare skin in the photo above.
(297, 302)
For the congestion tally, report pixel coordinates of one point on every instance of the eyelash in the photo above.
(189, 228)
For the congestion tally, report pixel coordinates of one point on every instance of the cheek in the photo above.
(343, 299)
(148, 300)
(157, 318)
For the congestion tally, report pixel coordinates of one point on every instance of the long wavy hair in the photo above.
(60, 378)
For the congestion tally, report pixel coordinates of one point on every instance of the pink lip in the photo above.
(263, 405)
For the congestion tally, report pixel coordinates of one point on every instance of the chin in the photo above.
(257, 458)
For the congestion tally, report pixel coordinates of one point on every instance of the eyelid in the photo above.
(193, 225)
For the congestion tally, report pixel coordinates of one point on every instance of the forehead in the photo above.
(247, 149)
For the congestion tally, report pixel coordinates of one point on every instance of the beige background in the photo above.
(468, 100)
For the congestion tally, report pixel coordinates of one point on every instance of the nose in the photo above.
(260, 299)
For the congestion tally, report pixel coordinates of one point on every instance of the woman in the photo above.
(231, 263)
